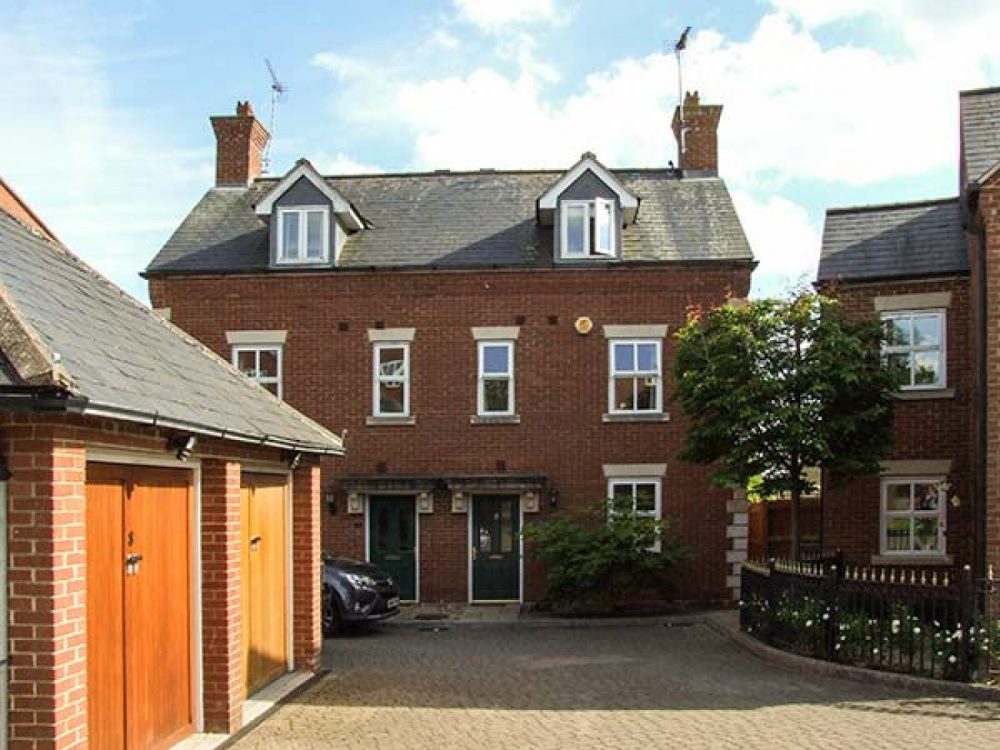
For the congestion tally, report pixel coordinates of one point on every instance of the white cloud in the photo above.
(494, 15)
(784, 239)
(343, 164)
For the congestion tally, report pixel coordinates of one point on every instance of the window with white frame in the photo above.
(588, 229)
(496, 378)
(640, 496)
(913, 516)
(914, 346)
(392, 379)
(261, 363)
(635, 385)
(303, 234)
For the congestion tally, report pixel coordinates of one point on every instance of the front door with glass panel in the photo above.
(495, 548)
(392, 540)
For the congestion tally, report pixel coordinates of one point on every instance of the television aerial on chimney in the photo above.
(278, 91)
(681, 45)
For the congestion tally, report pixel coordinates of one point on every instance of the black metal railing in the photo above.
(915, 621)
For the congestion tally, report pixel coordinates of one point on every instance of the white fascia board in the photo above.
(303, 168)
(629, 202)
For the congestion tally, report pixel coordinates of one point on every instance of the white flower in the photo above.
(952, 659)
(826, 615)
(837, 647)
(916, 631)
(874, 650)
(809, 623)
(895, 626)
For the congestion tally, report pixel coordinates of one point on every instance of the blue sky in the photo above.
(106, 104)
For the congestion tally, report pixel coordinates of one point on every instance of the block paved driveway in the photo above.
(601, 687)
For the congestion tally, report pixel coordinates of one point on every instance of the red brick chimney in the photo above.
(699, 148)
(240, 141)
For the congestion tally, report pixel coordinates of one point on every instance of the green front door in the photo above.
(392, 540)
(495, 548)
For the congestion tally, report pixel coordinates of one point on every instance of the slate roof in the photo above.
(462, 219)
(896, 240)
(64, 325)
(980, 121)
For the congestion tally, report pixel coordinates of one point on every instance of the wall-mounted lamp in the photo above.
(182, 446)
(294, 458)
(553, 498)
(330, 498)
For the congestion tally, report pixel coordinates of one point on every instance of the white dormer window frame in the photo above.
(599, 236)
(299, 254)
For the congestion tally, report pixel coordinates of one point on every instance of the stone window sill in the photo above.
(390, 421)
(921, 395)
(912, 560)
(655, 417)
(495, 419)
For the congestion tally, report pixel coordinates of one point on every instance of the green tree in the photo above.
(775, 386)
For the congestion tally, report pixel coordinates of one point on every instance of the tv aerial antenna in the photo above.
(679, 47)
(278, 91)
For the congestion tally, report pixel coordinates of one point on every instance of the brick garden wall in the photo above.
(561, 387)
(923, 429)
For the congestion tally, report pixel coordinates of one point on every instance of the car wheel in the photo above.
(332, 622)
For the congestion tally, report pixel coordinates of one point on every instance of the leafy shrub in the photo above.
(597, 562)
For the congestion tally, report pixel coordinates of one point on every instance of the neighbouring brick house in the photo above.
(929, 270)
(161, 515)
(497, 344)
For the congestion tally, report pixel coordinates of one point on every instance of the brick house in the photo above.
(926, 268)
(497, 344)
(149, 498)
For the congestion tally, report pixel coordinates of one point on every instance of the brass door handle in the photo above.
(132, 563)
(255, 543)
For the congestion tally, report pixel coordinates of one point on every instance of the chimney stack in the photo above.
(240, 141)
(699, 148)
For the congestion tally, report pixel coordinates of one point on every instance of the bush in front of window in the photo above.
(601, 562)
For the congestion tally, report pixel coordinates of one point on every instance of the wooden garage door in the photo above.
(138, 613)
(265, 561)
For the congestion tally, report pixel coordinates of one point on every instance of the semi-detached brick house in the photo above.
(931, 271)
(497, 344)
(163, 554)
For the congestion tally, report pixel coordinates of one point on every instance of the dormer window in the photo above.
(303, 234)
(588, 229)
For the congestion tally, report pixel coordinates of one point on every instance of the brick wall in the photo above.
(989, 219)
(240, 142)
(46, 597)
(927, 429)
(307, 635)
(222, 621)
(561, 384)
(701, 134)
(47, 555)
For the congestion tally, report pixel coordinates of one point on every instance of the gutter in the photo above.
(57, 400)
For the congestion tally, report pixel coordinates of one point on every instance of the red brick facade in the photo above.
(924, 429)
(47, 458)
(701, 139)
(985, 242)
(561, 388)
(240, 143)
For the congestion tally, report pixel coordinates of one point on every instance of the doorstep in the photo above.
(255, 707)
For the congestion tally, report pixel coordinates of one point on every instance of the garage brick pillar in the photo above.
(222, 646)
(47, 588)
(306, 533)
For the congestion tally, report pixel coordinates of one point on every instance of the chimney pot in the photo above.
(240, 142)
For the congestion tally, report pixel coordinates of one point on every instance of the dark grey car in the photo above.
(356, 592)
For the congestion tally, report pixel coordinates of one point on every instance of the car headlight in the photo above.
(360, 580)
